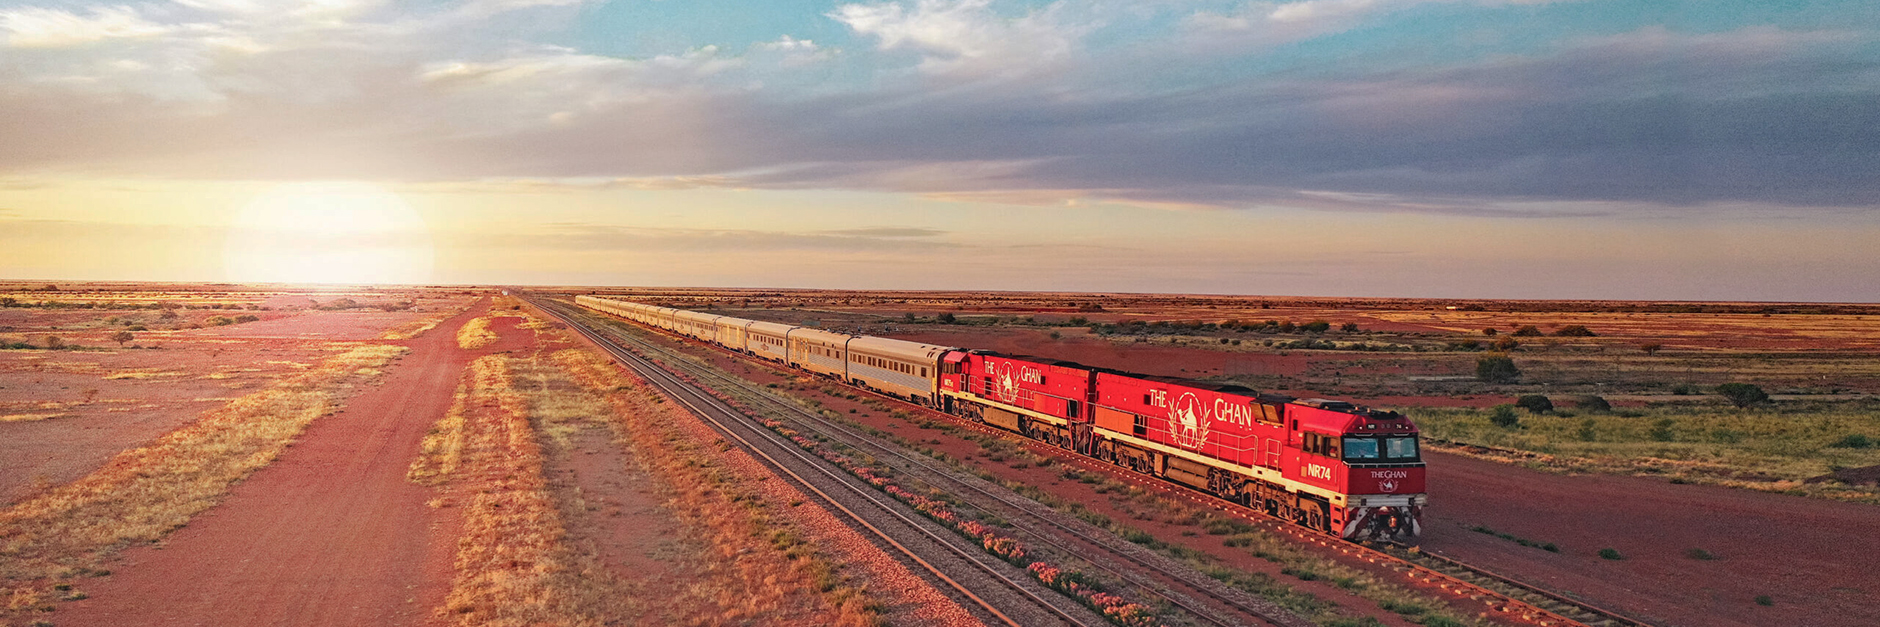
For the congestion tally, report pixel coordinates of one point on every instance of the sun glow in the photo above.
(335, 233)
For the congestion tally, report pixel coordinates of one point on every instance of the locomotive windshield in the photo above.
(1394, 449)
(1360, 448)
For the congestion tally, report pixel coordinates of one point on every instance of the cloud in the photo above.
(888, 232)
(55, 28)
(1263, 23)
(577, 237)
(966, 38)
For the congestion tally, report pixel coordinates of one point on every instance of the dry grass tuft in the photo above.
(141, 374)
(514, 566)
(144, 493)
(28, 417)
(475, 334)
(442, 450)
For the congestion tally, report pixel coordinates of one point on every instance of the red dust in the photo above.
(331, 534)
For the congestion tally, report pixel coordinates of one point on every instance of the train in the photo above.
(1332, 466)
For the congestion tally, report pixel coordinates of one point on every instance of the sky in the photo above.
(1661, 150)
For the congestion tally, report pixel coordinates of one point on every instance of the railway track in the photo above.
(1175, 584)
(1498, 595)
(997, 592)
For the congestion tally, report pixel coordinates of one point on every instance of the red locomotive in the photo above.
(1328, 465)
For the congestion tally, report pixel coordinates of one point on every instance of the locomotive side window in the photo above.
(1360, 448)
(1401, 448)
(1142, 425)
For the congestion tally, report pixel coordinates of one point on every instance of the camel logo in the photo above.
(1387, 486)
(1188, 422)
(1007, 383)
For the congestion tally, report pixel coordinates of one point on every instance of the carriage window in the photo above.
(1360, 448)
(1401, 448)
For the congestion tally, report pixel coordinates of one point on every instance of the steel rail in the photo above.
(679, 389)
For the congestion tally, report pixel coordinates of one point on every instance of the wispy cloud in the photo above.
(57, 28)
(967, 38)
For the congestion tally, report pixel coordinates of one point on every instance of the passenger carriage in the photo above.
(820, 351)
(769, 340)
(896, 367)
(695, 325)
(731, 334)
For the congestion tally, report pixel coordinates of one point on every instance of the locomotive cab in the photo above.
(1370, 458)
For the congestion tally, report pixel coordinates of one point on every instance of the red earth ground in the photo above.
(330, 534)
(102, 402)
(1809, 556)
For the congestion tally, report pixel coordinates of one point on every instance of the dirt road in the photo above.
(330, 534)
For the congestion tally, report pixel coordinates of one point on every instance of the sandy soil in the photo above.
(1810, 556)
(623, 518)
(331, 534)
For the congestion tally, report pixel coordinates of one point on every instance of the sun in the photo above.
(329, 233)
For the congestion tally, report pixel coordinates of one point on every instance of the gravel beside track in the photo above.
(996, 592)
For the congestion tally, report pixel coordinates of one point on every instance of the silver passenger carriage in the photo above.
(909, 370)
(820, 351)
(730, 333)
(693, 324)
(769, 340)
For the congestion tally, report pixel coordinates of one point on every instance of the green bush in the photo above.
(1503, 416)
(1661, 430)
(1854, 440)
(1611, 554)
(1574, 330)
(1742, 394)
(1496, 369)
(1592, 403)
(1589, 430)
(1534, 403)
(1528, 331)
(1316, 326)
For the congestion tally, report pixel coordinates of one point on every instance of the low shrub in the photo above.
(1503, 416)
(1534, 403)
